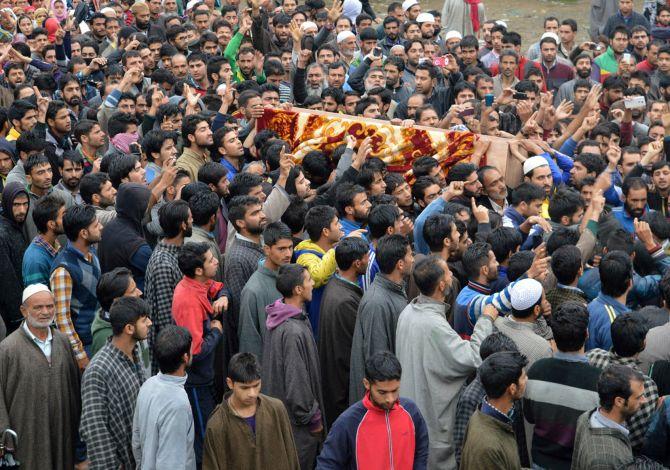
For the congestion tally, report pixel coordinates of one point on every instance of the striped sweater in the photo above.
(550, 381)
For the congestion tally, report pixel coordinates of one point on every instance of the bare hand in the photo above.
(455, 189)
(643, 232)
(216, 324)
(480, 213)
(491, 312)
(538, 270)
(357, 233)
(220, 305)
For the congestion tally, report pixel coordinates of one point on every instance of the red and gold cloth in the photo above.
(307, 130)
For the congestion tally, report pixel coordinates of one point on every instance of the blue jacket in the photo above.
(602, 312)
(625, 219)
(470, 304)
(349, 226)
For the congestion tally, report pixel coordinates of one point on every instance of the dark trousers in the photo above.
(202, 402)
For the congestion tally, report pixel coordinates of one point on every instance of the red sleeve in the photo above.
(189, 315)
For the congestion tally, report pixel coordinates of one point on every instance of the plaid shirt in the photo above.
(61, 286)
(469, 402)
(109, 390)
(162, 276)
(638, 423)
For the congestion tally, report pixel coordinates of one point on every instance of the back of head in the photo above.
(519, 263)
(620, 240)
(289, 277)
(428, 273)
(126, 311)
(382, 366)
(191, 257)
(111, 286)
(566, 263)
(569, 323)
(380, 218)
(504, 242)
(390, 250)
(496, 342)
(499, 371)
(560, 237)
(436, 228)
(476, 256)
(349, 250)
(616, 272)
(628, 334)
(653, 316)
(317, 219)
(172, 343)
(244, 368)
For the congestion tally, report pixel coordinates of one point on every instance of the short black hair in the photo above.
(614, 381)
(628, 333)
(620, 240)
(204, 206)
(111, 286)
(243, 183)
(170, 346)
(46, 209)
(496, 342)
(171, 216)
(566, 262)
(33, 161)
(317, 219)
(564, 202)
(344, 197)
(191, 257)
(560, 237)
(422, 166)
(592, 162)
(189, 125)
(289, 277)
(91, 183)
(382, 366)
(348, 250)
(519, 263)
(76, 219)
(390, 250)
(569, 324)
(294, 216)
(118, 123)
(436, 228)
(120, 167)
(274, 232)
(500, 370)
(126, 311)
(211, 173)
(244, 368)
(152, 142)
(427, 274)
(238, 206)
(476, 256)
(526, 192)
(504, 242)
(616, 272)
(380, 218)
(460, 172)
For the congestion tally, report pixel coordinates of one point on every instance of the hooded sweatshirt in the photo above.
(13, 245)
(291, 369)
(123, 244)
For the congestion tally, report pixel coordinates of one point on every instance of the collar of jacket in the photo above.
(367, 403)
(389, 284)
(430, 304)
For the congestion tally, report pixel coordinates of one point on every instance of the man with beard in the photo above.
(15, 203)
(308, 80)
(247, 216)
(71, 94)
(635, 203)
(230, 149)
(198, 138)
(352, 207)
(58, 128)
(494, 190)
(98, 30)
(97, 190)
(658, 198)
(391, 36)
(263, 40)
(509, 62)
(110, 386)
(537, 172)
(142, 14)
(22, 117)
(74, 276)
(71, 166)
(48, 216)
(380, 407)
(91, 139)
(472, 186)
(583, 69)
(40, 385)
(393, 70)
(555, 73)
(414, 52)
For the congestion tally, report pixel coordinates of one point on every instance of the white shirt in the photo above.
(45, 346)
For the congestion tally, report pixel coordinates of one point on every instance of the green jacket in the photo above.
(599, 448)
(607, 61)
(231, 54)
(489, 444)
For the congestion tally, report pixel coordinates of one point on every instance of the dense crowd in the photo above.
(181, 289)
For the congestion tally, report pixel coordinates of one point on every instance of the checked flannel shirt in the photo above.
(162, 276)
(109, 390)
(638, 423)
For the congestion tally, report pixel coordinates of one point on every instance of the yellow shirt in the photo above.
(12, 135)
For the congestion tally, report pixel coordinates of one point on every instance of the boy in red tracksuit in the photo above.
(198, 300)
(380, 431)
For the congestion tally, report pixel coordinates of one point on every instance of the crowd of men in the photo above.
(178, 290)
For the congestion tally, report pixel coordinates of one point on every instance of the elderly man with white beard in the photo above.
(39, 385)
(308, 80)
